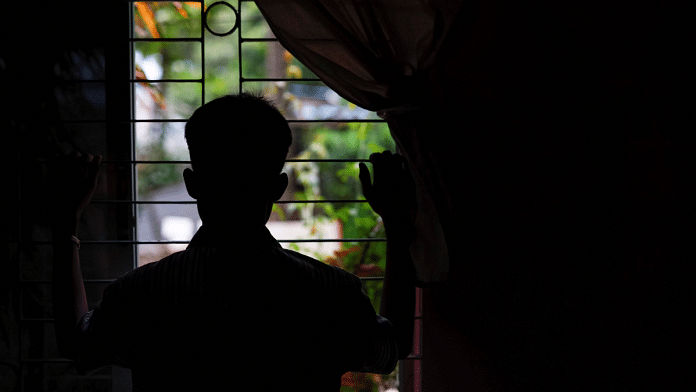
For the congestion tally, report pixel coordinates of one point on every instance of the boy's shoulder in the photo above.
(330, 276)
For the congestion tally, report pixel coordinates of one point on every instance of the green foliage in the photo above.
(317, 180)
(339, 180)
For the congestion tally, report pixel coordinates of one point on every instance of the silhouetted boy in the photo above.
(236, 311)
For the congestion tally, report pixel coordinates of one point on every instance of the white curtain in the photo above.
(378, 54)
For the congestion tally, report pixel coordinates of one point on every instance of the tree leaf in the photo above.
(345, 252)
(365, 270)
(375, 148)
(180, 9)
(148, 17)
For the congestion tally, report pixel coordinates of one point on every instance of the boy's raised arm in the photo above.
(74, 183)
(392, 196)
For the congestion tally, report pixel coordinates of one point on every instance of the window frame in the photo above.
(119, 125)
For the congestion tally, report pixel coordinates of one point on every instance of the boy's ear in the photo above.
(279, 187)
(190, 181)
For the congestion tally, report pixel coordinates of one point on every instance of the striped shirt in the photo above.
(236, 311)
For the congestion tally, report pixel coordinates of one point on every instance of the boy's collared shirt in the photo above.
(236, 311)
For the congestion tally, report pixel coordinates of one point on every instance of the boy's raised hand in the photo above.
(393, 193)
(73, 179)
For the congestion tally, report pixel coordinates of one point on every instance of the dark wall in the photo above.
(64, 74)
(565, 136)
(568, 155)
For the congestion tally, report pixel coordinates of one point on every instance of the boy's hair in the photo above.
(242, 133)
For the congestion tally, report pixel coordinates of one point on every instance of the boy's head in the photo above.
(242, 128)
(238, 145)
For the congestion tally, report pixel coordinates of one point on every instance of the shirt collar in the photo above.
(215, 237)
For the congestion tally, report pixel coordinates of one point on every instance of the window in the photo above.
(75, 95)
(179, 55)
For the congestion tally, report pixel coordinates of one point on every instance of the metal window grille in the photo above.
(127, 206)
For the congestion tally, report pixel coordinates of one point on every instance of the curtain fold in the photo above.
(378, 54)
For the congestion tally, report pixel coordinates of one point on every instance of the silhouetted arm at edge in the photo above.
(69, 298)
(75, 185)
(392, 196)
(399, 290)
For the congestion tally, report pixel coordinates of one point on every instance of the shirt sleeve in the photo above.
(384, 353)
(102, 337)
(90, 354)
(94, 348)
(367, 339)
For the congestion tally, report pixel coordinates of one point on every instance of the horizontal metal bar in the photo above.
(189, 162)
(299, 39)
(44, 160)
(243, 79)
(194, 202)
(244, 39)
(51, 320)
(49, 281)
(140, 202)
(110, 161)
(60, 80)
(148, 162)
(166, 120)
(259, 39)
(166, 80)
(320, 120)
(155, 120)
(122, 121)
(197, 80)
(172, 1)
(338, 121)
(56, 360)
(101, 281)
(190, 39)
(131, 242)
(36, 320)
(334, 201)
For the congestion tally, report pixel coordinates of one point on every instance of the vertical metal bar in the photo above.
(239, 44)
(417, 365)
(19, 271)
(202, 51)
(121, 106)
(134, 173)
